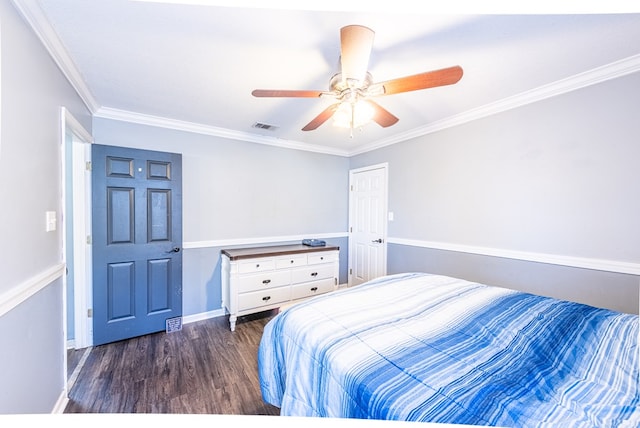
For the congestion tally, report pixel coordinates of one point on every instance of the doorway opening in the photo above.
(76, 249)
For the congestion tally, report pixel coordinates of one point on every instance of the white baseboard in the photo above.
(203, 316)
(61, 404)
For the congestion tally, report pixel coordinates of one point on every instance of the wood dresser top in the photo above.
(277, 250)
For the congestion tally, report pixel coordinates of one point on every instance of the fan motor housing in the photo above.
(337, 84)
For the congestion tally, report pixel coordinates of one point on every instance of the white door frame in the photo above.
(81, 208)
(385, 208)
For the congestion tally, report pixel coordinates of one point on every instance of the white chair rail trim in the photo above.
(18, 294)
(260, 240)
(570, 261)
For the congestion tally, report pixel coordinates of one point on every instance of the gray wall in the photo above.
(557, 177)
(241, 193)
(611, 290)
(32, 91)
(32, 353)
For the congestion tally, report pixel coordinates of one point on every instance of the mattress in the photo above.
(432, 348)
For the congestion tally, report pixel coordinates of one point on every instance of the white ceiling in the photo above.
(193, 65)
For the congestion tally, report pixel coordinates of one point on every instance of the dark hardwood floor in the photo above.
(204, 368)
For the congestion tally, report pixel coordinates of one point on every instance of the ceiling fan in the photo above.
(353, 87)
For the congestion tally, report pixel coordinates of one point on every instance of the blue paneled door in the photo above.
(137, 241)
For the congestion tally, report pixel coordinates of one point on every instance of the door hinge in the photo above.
(87, 165)
(350, 229)
(89, 241)
(350, 271)
(352, 187)
(90, 313)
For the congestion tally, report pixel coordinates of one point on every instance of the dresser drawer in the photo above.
(255, 299)
(263, 280)
(322, 257)
(257, 265)
(312, 273)
(291, 261)
(301, 291)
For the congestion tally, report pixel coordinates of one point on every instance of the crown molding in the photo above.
(180, 125)
(597, 75)
(35, 17)
(37, 20)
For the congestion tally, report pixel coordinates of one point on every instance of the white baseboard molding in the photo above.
(263, 240)
(570, 261)
(203, 316)
(61, 404)
(18, 294)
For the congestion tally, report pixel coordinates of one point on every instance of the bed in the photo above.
(432, 348)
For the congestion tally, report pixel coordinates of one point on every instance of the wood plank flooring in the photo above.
(202, 369)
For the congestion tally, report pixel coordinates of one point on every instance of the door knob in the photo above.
(379, 240)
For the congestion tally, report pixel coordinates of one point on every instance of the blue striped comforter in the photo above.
(422, 347)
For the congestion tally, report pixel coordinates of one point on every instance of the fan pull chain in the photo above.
(353, 119)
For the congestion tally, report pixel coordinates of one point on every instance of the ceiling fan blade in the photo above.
(381, 115)
(356, 42)
(429, 79)
(321, 118)
(285, 93)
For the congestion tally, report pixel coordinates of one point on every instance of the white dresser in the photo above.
(262, 278)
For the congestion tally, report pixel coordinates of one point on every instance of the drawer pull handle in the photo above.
(314, 273)
(266, 281)
(265, 298)
(258, 265)
(314, 289)
(291, 261)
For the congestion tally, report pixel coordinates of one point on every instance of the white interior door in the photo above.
(367, 223)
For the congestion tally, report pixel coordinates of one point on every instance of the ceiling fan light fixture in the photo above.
(352, 86)
(352, 115)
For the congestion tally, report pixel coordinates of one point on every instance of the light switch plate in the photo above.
(51, 221)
